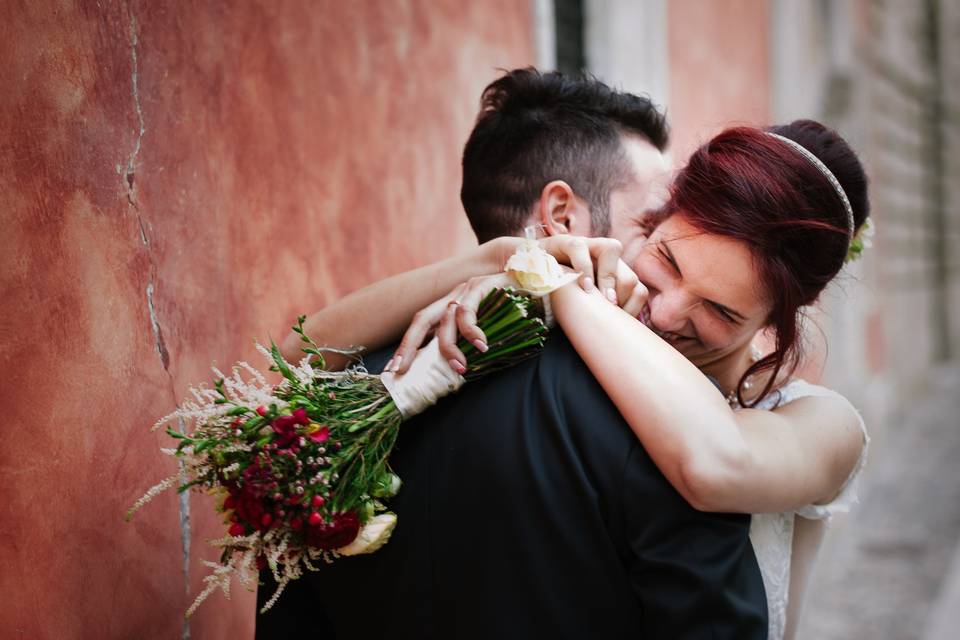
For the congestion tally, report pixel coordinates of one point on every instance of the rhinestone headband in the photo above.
(815, 161)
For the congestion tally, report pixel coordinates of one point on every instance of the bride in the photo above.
(757, 224)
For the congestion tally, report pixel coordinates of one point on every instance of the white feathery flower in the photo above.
(257, 376)
(152, 493)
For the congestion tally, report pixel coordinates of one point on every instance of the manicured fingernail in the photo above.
(587, 283)
(480, 345)
(396, 363)
(456, 366)
(612, 296)
(389, 364)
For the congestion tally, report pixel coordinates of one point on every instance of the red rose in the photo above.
(250, 509)
(333, 535)
(300, 415)
(257, 479)
(286, 430)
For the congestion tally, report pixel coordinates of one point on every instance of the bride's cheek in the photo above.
(714, 337)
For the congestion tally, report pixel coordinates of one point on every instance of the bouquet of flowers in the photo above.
(300, 468)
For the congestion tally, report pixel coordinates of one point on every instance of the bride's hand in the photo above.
(600, 257)
(595, 258)
(462, 301)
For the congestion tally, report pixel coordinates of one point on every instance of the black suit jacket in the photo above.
(530, 510)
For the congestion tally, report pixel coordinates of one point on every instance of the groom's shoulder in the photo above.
(561, 363)
(572, 385)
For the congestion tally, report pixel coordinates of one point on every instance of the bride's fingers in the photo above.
(466, 317)
(608, 259)
(626, 281)
(580, 260)
(447, 339)
(423, 325)
(637, 298)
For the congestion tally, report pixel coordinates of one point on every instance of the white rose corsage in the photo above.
(539, 274)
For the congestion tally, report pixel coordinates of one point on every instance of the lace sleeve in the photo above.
(847, 497)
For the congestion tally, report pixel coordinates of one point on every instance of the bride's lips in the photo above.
(644, 316)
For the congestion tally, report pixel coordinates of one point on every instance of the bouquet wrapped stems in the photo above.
(301, 468)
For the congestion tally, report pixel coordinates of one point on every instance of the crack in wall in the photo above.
(157, 331)
(129, 177)
(131, 170)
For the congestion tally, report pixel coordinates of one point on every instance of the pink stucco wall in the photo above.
(175, 179)
(719, 68)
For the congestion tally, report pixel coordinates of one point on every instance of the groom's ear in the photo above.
(559, 210)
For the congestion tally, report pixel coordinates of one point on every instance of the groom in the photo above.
(528, 508)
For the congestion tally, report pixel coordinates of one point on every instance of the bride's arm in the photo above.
(377, 315)
(749, 461)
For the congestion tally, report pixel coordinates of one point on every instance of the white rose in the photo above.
(536, 271)
(372, 536)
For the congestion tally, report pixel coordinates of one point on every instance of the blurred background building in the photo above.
(178, 178)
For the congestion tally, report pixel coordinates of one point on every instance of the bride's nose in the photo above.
(670, 310)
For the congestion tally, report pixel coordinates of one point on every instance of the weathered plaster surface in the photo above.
(176, 179)
(719, 68)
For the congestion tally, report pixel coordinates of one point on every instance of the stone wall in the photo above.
(175, 180)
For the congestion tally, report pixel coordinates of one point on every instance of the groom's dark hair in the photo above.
(537, 127)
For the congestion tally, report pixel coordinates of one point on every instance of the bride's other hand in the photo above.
(599, 258)
(449, 317)
(596, 258)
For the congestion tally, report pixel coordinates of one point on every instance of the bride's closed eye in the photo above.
(667, 259)
(721, 311)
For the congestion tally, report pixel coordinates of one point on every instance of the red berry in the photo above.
(262, 411)
(301, 416)
(236, 529)
(315, 519)
(318, 501)
(266, 520)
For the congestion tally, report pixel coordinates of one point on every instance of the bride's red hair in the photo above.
(752, 187)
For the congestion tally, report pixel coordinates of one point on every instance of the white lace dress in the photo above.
(780, 540)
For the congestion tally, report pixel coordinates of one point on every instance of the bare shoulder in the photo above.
(828, 428)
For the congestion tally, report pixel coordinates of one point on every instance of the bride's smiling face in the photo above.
(706, 298)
